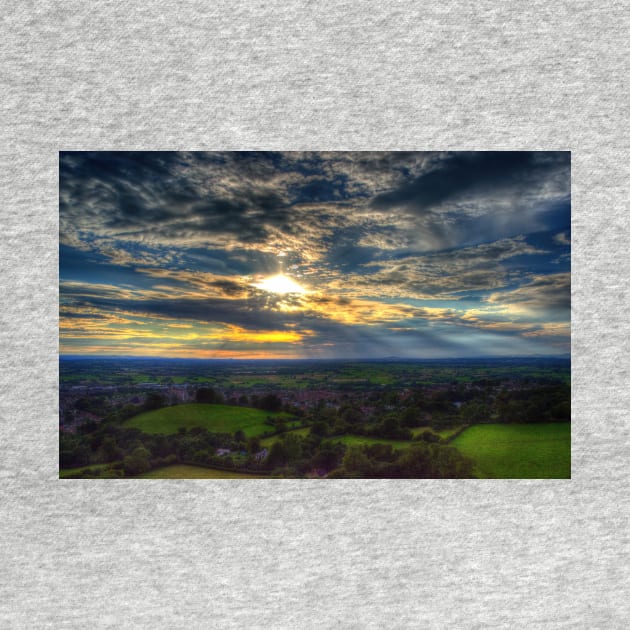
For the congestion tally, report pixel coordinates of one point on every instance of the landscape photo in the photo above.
(315, 315)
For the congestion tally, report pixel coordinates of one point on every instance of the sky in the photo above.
(266, 255)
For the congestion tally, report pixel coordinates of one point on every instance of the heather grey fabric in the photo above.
(310, 554)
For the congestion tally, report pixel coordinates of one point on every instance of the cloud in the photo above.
(543, 296)
(563, 238)
(510, 174)
(274, 202)
(182, 239)
(442, 274)
(471, 197)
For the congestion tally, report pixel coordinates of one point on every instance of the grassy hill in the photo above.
(518, 451)
(214, 418)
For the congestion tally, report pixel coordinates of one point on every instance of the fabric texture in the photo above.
(295, 553)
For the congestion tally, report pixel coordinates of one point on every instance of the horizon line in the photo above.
(380, 358)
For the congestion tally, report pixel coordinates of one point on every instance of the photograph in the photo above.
(315, 315)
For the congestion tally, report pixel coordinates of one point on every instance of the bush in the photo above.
(270, 402)
(428, 436)
(355, 461)
(431, 461)
(137, 462)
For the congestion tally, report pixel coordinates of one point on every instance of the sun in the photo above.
(280, 284)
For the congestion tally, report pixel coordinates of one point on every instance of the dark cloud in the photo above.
(448, 272)
(228, 287)
(70, 314)
(126, 187)
(543, 296)
(249, 313)
(162, 192)
(95, 267)
(473, 175)
(314, 204)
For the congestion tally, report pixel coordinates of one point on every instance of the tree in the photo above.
(293, 446)
(270, 402)
(474, 411)
(339, 428)
(381, 452)
(428, 436)
(209, 396)
(137, 462)
(110, 450)
(390, 428)
(328, 455)
(415, 462)
(432, 461)
(356, 461)
(74, 455)
(561, 411)
(411, 417)
(277, 456)
(512, 411)
(320, 429)
(89, 426)
(154, 401)
(253, 445)
(351, 415)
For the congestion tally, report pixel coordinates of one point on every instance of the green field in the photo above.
(71, 472)
(368, 441)
(518, 451)
(268, 441)
(360, 439)
(344, 439)
(214, 418)
(195, 472)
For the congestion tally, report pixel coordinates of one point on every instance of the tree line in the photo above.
(130, 452)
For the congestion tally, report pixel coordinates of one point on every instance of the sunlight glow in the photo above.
(280, 284)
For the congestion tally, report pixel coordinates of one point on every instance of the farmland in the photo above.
(506, 418)
(213, 418)
(518, 451)
(234, 376)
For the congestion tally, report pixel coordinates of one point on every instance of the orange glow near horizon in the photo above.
(263, 336)
(178, 352)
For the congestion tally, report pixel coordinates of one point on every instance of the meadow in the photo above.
(67, 473)
(182, 471)
(268, 441)
(518, 451)
(213, 418)
(362, 439)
